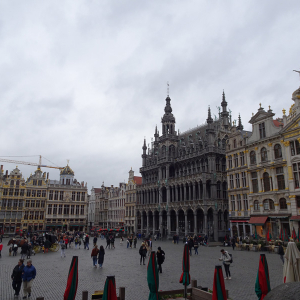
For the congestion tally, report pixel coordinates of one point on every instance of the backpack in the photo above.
(63, 246)
(231, 261)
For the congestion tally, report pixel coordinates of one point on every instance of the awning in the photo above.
(239, 221)
(258, 220)
(295, 218)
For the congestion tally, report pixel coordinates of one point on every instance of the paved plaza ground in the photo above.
(52, 271)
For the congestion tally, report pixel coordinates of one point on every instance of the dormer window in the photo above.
(262, 131)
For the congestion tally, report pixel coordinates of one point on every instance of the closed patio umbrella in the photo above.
(110, 292)
(153, 277)
(72, 282)
(185, 278)
(219, 292)
(262, 284)
(291, 267)
(294, 236)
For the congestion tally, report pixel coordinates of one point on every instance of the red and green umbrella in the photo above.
(185, 278)
(72, 282)
(262, 284)
(268, 235)
(281, 235)
(255, 233)
(294, 236)
(110, 292)
(152, 277)
(298, 234)
(219, 292)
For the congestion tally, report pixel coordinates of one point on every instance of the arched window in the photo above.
(218, 189)
(282, 203)
(234, 143)
(268, 204)
(163, 151)
(252, 158)
(256, 205)
(12, 182)
(264, 154)
(277, 151)
(17, 182)
(266, 181)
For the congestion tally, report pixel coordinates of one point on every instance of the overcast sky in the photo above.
(87, 80)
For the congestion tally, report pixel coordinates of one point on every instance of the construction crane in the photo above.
(30, 163)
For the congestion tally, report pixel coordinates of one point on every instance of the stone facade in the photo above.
(130, 202)
(184, 184)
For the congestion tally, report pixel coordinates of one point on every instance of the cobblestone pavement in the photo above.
(52, 271)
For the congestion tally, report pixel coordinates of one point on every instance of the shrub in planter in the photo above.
(254, 242)
(244, 241)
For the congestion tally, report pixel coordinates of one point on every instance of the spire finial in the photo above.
(240, 126)
(168, 88)
(297, 72)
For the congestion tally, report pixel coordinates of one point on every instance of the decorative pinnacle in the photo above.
(283, 111)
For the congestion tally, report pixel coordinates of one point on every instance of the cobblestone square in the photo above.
(52, 271)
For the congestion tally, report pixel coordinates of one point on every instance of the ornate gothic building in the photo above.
(184, 186)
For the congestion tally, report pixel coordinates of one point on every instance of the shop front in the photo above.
(260, 226)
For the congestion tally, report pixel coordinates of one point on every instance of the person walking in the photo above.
(1, 247)
(107, 242)
(62, 248)
(95, 240)
(28, 275)
(135, 242)
(101, 256)
(160, 254)
(86, 242)
(121, 240)
(196, 245)
(15, 249)
(94, 255)
(143, 253)
(24, 249)
(225, 257)
(233, 243)
(281, 252)
(16, 276)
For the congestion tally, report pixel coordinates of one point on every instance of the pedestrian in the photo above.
(128, 242)
(95, 240)
(233, 243)
(76, 242)
(196, 245)
(160, 254)
(191, 245)
(149, 246)
(29, 250)
(107, 242)
(79, 242)
(28, 275)
(121, 240)
(135, 242)
(281, 252)
(101, 256)
(24, 249)
(86, 242)
(16, 276)
(112, 242)
(225, 257)
(143, 253)
(94, 255)
(62, 248)
(15, 249)
(66, 241)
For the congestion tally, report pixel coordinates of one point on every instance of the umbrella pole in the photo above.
(185, 292)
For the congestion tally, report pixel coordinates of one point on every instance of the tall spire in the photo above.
(209, 120)
(224, 103)
(240, 126)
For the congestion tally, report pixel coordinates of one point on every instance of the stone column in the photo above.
(184, 193)
(168, 194)
(244, 229)
(160, 223)
(205, 220)
(194, 191)
(185, 223)
(176, 193)
(147, 215)
(153, 216)
(168, 223)
(238, 229)
(190, 194)
(231, 232)
(142, 222)
(216, 229)
(204, 190)
(159, 195)
(135, 224)
(195, 222)
(251, 232)
(177, 223)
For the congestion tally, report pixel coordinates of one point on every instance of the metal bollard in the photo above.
(85, 295)
(122, 293)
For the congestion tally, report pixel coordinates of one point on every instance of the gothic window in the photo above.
(277, 151)
(218, 164)
(206, 165)
(239, 202)
(223, 144)
(280, 178)
(264, 154)
(163, 151)
(11, 182)
(17, 182)
(254, 182)
(223, 165)
(282, 203)
(266, 180)
(218, 189)
(262, 131)
(252, 158)
(232, 203)
(256, 205)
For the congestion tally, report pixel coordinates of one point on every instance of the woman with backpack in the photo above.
(226, 258)
(160, 254)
